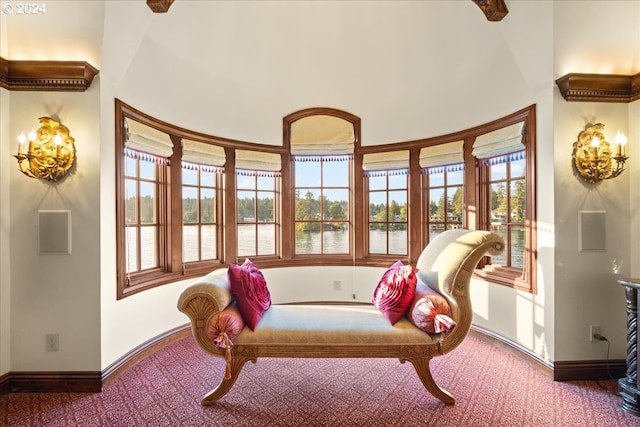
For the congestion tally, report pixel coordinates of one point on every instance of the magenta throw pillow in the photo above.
(430, 311)
(249, 288)
(395, 291)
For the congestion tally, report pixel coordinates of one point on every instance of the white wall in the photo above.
(56, 293)
(634, 184)
(586, 288)
(5, 226)
(43, 294)
(586, 282)
(5, 259)
(403, 67)
(233, 69)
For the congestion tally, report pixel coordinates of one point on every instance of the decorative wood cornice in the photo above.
(599, 87)
(494, 10)
(62, 76)
(159, 6)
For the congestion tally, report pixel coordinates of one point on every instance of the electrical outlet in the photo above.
(337, 285)
(53, 342)
(594, 330)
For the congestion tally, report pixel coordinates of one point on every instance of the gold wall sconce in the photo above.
(48, 153)
(593, 156)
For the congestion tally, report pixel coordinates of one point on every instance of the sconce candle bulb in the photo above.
(621, 141)
(592, 156)
(51, 151)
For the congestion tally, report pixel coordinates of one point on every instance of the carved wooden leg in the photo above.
(225, 385)
(424, 373)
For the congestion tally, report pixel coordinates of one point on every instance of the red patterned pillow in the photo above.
(249, 289)
(430, 311)
(224, 326)
(395, 291)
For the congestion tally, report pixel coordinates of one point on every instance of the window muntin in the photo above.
(167, 256)
(388, 212)
(507, 201)
(322, 200)
(199, 212)
(141, 211)
(444, 199)
(257, 204)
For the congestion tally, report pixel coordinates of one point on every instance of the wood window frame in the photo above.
(478, 198)
(386, 256)
(277, 189)
(474, 216)
(200, 265)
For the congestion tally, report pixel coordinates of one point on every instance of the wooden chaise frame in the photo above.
(446, 265)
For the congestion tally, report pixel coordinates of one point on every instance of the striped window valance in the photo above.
(202, 167)
(321, 135)
(342, 158)
(442, 169)
(450, 153)
(520, 155)
(145, 157)
(499, 142)
(258, 162)
(387, 163)
(141, 137)
(201, 153)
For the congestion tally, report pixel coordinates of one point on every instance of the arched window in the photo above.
(321, 144)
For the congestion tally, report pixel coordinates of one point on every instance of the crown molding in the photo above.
(494, 10)
(599, 87)
(159, 6)
(61, 76)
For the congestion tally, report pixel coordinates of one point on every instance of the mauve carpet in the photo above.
(492, 387)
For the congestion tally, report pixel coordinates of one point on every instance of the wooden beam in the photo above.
(494, 10)
(599, 87)
(159, 6)
(62, 76)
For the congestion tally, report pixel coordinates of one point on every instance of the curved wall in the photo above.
(408, 69)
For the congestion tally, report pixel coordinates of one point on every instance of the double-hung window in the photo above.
(202, 179)
(505, 162)
(322, 147)
(142, 238)
(322, 204)
(257, 203)
(442, 168)
(388, 210)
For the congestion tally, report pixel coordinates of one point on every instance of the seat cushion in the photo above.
(330, 324)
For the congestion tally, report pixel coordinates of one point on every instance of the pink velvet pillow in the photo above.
(249, 289)
(430, 311)
(224, 326)
(394, 293)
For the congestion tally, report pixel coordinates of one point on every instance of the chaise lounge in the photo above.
(346, 330)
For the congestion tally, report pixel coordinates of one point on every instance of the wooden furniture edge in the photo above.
(61, 76)
(587, 87)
